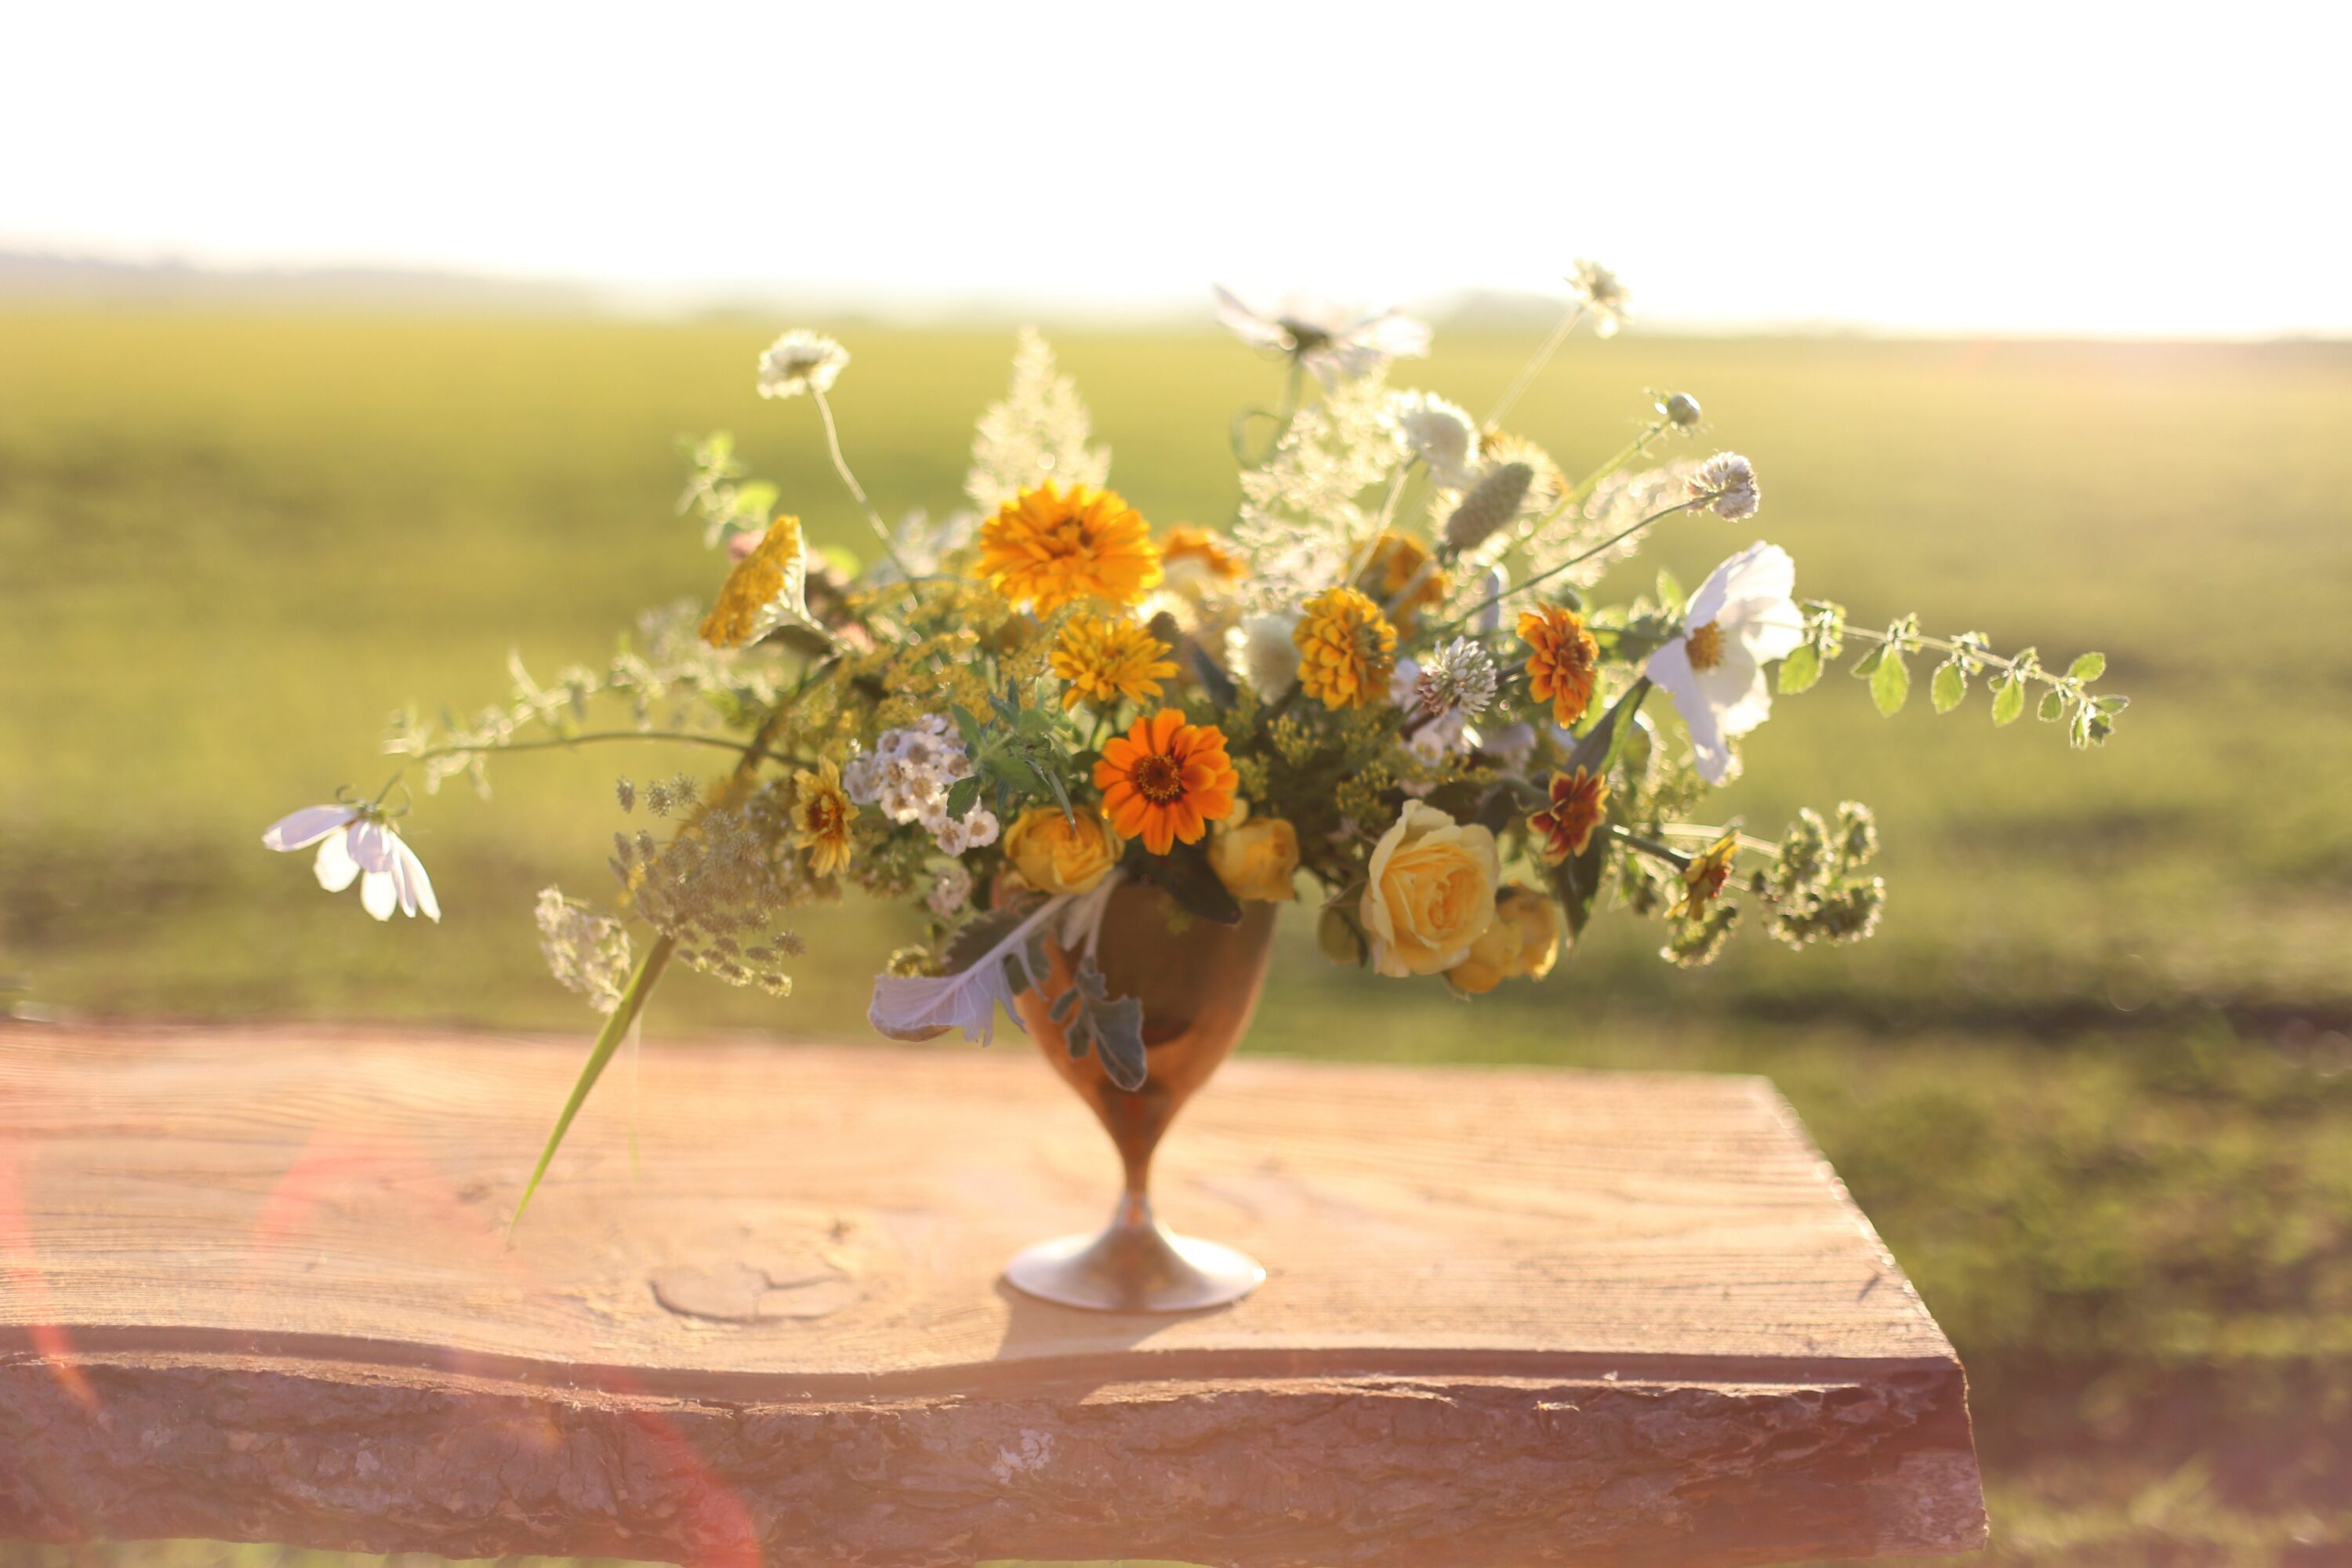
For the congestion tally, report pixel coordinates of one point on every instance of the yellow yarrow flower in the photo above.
(1052, 547)
(821, 811)
(1347, 649)
(1105, 660)
(766, 587)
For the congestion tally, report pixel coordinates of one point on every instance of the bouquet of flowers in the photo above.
(1391, 676)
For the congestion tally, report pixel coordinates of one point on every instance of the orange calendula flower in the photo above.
(1704, 878)
(1197, 549)
(1564, 663)
(1579, 800)
(821, 813)
(1105, 660)
(767, 587)
(1052, 547)
(1165, 780)
(1401, 565)
(1347, 649)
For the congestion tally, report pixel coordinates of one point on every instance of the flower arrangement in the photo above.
(1393, 677)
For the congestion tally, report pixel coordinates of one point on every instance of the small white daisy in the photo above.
(355, 841)
(801, 361)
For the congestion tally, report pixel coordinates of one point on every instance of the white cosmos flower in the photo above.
(356, 843)
(1332, 340)
(1741, 619)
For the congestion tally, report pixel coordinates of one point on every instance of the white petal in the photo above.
(378, 896)
(1398, 337)
(1760, 571)
(1766, 628)
(1245, 323)
(1737, 693)
(371, 846)
(1670, 668)
(418, 894)
(300, 830)
(334, 867)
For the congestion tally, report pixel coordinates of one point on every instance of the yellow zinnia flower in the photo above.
(1347, 649)
(821, 813)
(1401, 561)
(1105, 660)
(1052, 547)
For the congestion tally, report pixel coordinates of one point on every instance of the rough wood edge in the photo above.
(1294, 1471)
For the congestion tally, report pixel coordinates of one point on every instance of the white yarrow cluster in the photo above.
(1730, 479)
(907, 777)
(801, 361)
(950, 891)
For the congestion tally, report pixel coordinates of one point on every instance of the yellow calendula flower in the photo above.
(1256, 857)
(1704, 878)
(767, 587)
(1347, 649)
(1563, 661)
(1051, 547)
(1105, 660)
(821, 811)
(1400, 565)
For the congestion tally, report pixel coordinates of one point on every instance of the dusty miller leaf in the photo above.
(1112, 1027)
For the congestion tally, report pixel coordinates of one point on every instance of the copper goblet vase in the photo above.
(1199, 983)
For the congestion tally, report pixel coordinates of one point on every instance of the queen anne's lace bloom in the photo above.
(801, 361)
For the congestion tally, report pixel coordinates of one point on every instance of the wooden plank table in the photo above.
(253, 1285)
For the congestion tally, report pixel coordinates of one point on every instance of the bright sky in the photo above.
(2038, 168)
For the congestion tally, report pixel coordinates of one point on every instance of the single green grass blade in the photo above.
(608, 1040)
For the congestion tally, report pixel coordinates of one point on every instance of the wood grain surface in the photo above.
(256, 1284)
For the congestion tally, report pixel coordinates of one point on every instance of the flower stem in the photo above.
(1533, 366)
(1609, 544)
(840, 467)
(1583, 488)
(683, 737)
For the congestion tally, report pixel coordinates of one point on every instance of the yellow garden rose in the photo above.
(1523, 940)
(1255, 857)
(1056, 855)
(1431, 893)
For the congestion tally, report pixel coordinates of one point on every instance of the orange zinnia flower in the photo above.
(1051, 547)
(1565, 661)
(1579, 800)
(1186, 542)
(1166, 780)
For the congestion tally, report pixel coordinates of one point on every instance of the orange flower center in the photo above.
(822, 817)
(1705, 647)
(1159, 779)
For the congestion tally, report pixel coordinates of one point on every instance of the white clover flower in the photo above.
(950, 891)
(1260, 653)
(801, 361)
(1442, 435)
(1730, 479)
(1459, 678)
(1603, 294)
(1741, 619)
(356, 842)
(1330, 339)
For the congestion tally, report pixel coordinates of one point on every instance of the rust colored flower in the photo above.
(1579, 800)
(1165, 780)
(1052, 547)
(1564, 662)
(1347, 649)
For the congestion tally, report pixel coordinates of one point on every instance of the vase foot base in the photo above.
(1132, 1267)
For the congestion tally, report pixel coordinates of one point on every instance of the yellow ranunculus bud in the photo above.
(1256, 856)
(1430, 891)
(1056, 855)
(1494, 958)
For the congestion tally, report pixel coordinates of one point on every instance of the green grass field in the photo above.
(2092, 1080)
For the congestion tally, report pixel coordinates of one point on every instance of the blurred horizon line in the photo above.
(35, 277)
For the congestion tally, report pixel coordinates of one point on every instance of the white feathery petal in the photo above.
(300, 830)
